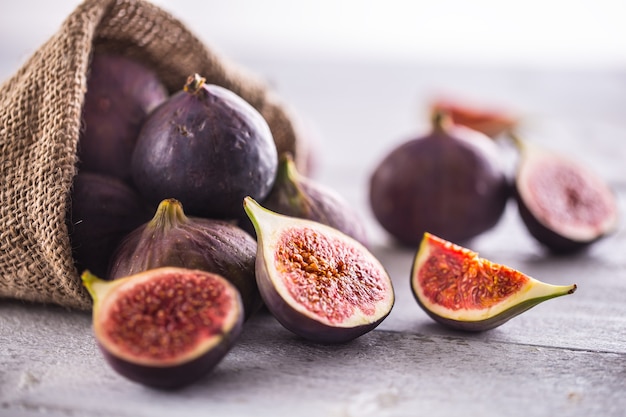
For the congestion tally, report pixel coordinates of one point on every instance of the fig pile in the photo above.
(157, 226)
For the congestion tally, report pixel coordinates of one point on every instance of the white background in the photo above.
(530, 33)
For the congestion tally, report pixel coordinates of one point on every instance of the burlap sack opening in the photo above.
(40, 110)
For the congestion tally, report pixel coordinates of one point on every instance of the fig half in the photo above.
(458, 289)
(296, 195)
(173, 239)
(165, 327)
(318, 282)
(491, 121)
(563, 203)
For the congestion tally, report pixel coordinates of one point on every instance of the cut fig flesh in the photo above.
(165, 327)
(318, 282)
(564, 205)
(459, 289)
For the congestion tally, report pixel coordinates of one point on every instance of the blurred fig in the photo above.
(449, 182)
(295, 195)
(103, 211)
(564, 204)
(121, 92)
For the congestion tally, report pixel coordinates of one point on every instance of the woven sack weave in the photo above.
(40, 118)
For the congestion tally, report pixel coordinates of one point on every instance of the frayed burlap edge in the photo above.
(40, 110)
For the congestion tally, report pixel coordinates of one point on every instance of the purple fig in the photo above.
(121, 92)
(103, 211)
(295, 195)
(449, 182)
(173, 239)
(206, 147)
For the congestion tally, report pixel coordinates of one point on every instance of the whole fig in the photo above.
(295, 195)
(121, 92)
(173, 239)
(449, 182)
(103, 211)
(206, 147)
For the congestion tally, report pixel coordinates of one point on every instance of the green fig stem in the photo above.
(168, 215)
(194, 84)
(93, 284)
(440, 121)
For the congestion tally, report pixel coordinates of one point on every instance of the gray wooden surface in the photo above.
(564, 357)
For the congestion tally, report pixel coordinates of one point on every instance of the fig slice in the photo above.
(165, 327)
(488, 120)
(563, 203)
(460, 290)
(318, 282)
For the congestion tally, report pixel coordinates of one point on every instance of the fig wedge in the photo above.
(165, 327)
(460, 290)
(317, 281)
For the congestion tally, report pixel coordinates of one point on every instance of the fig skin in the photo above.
(564, 205)
(103, 211)
(296, 195)
(221, 324)
(449, 182)
(173, 239)
(121, 92)
(206, 147)
(462, 291)
(318, 282)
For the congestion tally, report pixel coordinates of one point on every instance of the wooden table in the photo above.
(564, 357)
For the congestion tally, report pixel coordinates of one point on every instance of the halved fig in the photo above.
(458, 289)
(318, 282)
(165, 327)
(563, 203)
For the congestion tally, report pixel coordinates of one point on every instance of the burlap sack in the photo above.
(40, 110)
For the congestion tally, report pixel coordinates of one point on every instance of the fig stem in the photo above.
(169, 214)
(194, 83)
(440, 120)
(92, 283)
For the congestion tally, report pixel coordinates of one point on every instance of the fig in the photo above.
(449, 182)
(296, 195)
(206, 147)
(318, 282)
(165, 327)
(562, 202)
(460, 290)
(104, 210)
(490, 121)
(121, 92)
(173, 239)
